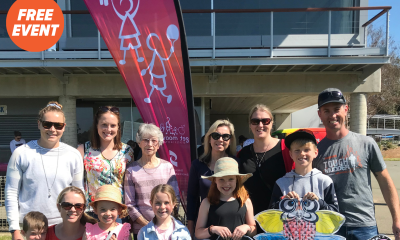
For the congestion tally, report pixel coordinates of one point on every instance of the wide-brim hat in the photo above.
(300, 134)
(108, 193)
(227, 166)
(330, 95)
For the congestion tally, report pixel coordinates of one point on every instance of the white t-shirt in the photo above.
(14, 144)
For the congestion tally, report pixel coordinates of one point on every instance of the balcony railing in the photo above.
(271, 45)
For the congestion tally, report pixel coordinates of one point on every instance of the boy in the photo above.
(304, 181)
(34, 226)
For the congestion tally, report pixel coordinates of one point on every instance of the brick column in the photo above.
(358, 114)
(69, 108)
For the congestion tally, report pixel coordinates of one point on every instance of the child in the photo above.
(227, 211)
(34, 224)
(163, 226)
(107, 205)
(304, 181)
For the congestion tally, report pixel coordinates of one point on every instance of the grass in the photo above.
(386, 159)
(5, 237)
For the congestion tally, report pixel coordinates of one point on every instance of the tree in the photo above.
(388, 100)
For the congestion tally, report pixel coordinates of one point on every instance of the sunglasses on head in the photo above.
(331, 95)
(217, 136)
(57, 125)
(111, 109)
(68, 206)
(256, 121)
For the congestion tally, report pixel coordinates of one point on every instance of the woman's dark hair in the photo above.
(94, 135)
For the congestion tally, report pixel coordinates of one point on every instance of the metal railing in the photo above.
(384, 9)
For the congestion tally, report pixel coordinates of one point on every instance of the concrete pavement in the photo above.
(382, 212)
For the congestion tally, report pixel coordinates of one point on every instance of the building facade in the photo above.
(281, 58)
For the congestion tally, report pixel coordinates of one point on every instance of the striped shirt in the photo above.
(138, 185)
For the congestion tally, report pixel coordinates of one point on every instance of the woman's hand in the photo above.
(142, 221)
(240, 231)
(224, 232)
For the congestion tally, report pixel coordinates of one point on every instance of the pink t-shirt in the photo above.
(94, 232)
(165, 234)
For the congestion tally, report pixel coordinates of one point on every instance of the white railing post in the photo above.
(272, 35)
(365, 37)
(387, 33)
(98, 44)
(329, 33)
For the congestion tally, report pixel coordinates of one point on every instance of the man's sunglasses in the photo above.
(111, 109)
(331, 95)
(57, 125)
(67, 206)
(217, 136)
(256, 121)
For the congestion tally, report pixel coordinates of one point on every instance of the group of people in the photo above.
(89, 191)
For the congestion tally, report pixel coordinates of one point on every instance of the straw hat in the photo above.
(108, 193)
(227, 166)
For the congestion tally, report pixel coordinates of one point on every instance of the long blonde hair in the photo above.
(231, 150)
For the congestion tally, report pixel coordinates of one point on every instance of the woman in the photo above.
(71, 204)
(218, 142)
(267, 159)
(39, 170)
(105, 157)
(146, 173)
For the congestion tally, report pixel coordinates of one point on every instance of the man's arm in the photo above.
(389, 193)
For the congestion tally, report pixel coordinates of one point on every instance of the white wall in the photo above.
(306, 118)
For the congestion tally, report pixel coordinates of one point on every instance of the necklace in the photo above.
(45, 175)
(154, 169)
(259, 161)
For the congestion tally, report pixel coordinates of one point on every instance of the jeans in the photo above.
(358, 233)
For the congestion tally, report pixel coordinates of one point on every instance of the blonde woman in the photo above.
(218, 142)
(267, 159)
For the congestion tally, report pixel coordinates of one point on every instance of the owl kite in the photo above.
(299, 220)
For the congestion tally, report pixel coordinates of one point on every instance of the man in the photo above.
(18, 141)
(348, 158)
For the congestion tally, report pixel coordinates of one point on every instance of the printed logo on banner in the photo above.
(35, 25)
(173, 158)
(173, 134)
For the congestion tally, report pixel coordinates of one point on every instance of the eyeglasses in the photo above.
(67, 206)
(57, 125)
(111, 109)
(334, 95)
(147, 141)
(217, 136)
(256, 121)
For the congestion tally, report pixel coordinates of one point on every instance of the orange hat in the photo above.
(108, 193)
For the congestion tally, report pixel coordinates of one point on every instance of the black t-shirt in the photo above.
(272, 168)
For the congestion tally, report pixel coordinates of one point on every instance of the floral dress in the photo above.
(100, 171)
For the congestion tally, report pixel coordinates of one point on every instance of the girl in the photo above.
(107, 205)
(227, 211)
(163, 226)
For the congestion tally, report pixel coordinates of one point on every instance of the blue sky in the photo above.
(394, 25)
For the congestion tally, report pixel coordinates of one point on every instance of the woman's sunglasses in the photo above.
(67, 206)
(256, 121)
(57, 125)
(111, 109)
(217, 136)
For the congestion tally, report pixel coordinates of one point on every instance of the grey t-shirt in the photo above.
(348, 161)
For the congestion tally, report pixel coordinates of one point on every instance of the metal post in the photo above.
(384, 122)
(213, 28)
(42, 57)
(98, 44)
(329, 33)
(213, 53)
(132, 120)
(365, 37)
(387, 33)
(368, 124)
(272, 35)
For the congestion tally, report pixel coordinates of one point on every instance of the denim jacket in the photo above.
(180, 232)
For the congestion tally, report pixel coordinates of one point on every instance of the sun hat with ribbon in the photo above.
(108, 193)
(227, 166)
